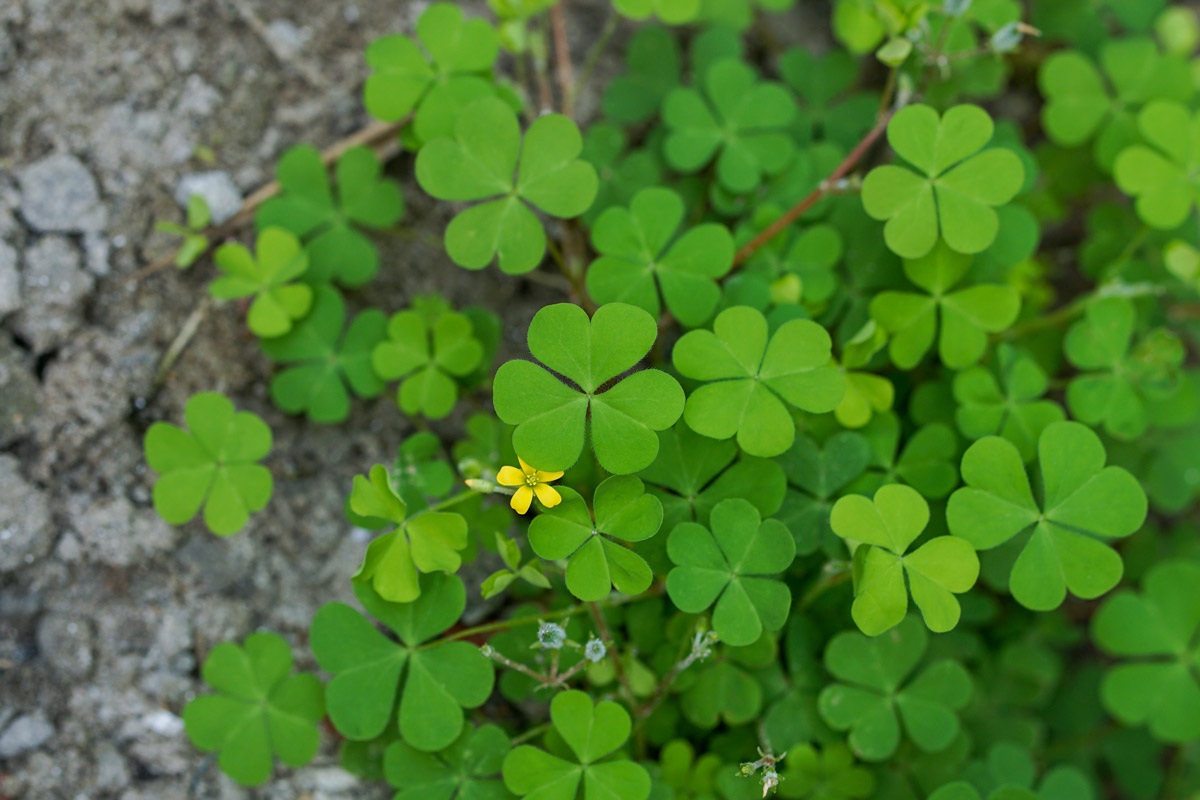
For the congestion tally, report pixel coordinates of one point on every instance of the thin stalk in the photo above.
(562, 58)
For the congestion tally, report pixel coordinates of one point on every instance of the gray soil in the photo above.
(106, 611)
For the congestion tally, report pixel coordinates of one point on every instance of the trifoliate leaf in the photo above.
(1005, 400)
(553, 417)
(961, 320)
(654, 67)
(1157, 629)
(829, 773)
(404, 78)
(329, 224)
(325, 361)
(1062, 535)
(829, 110)
(212, 465)
(925, 462)
(672, 12)
(957, 185)
(428, 354)
(598, 564)
(267, 278)
(1163, 176)
(593, 734)
(750, 376)
(641, 258)
(731, 568)
(261, 711)
(884, 528)
(874, 697)
(817, 473)
(737, 119)
(469, 769)
(479, 162)
(622, 173)
(427, 542)
(370, 670)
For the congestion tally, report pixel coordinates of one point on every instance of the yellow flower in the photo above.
(529, 481)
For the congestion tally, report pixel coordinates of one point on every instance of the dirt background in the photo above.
(106, 612)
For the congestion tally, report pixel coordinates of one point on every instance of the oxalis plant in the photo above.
(857, 459)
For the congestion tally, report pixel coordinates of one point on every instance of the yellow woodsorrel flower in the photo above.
(529, 481)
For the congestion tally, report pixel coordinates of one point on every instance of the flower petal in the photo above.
(521, 499)
(547, 495)
(525, 467)
(510, 476)
(546, 477)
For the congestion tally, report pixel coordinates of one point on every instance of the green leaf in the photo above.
(829, 773)
(729, 570)
(428, 353)
(960, 319)
(261, 711)
(1162, 177)
(428, 542)
(553, 417)
(370, 670)
(874, 698)
(739, 120)
(267, 278)
(1005, 400)
(326, 363)
(592, 734)
(1157, 630)
(654, 67)
(819, 473)
(642, 258)
(404, 78)
(329, 223)
(830, 110)
(596, 563)
(750, 376)
(463, 771)
(479, 161)
(1083, 504)
(213, 464)
(672, 12)
(956, 186)
(884, 529)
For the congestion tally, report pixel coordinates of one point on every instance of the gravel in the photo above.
(218, 190)
(58, 194)
(10, 281)
(24, 734)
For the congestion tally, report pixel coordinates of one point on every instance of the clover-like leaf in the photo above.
(329, 224)
(485, 159)
(818, 473)
(593, 733)
(1082, 103)
(597, 564)
(553, 417)
(925, 462)
(739, 119)
(428, 542)
(751, 375)
(466, 770)
(325, 360)
(267, 278)
(829, 774)
(830, 111)
(875, 696)
(672, 12)
(956, 187)
(622, 172)
(261, 711)
(370, 670)
(1115, 389)
(884, 528)
(960, 320)
(212, 464)
(641, 258)
(654, 67)
(1082, 504)
(1162, 177)
(729, 567)
(1005, 400)
(428, 354)
(404, 78)
(1156, 630)
(721, 691)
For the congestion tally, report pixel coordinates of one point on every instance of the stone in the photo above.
(287, 38)
(218, 190)
(54, 285)
(26, 533)
(59, 195)
(28, 732)
(163, 12)
(10, 281)
(65, 641)
(112, 531)
(21, 393)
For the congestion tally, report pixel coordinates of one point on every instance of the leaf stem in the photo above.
(562, 58)
(825, 187)
(593, 55)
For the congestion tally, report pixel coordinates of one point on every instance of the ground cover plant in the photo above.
(857, 460)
